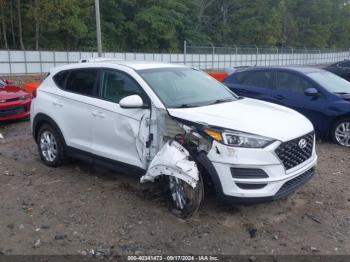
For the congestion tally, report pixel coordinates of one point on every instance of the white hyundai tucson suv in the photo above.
(175, 125)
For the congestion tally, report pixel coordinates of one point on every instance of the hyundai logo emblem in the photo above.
(302, 143)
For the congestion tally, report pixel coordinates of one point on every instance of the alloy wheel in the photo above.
(342, 134)
(177, 192)
(48, 146)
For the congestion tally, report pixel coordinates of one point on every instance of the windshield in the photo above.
(331, 82)
(186, 87)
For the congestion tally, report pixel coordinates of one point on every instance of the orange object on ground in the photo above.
(220, 76)
(31, 87)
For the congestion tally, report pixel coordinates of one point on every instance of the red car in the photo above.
(14, 102)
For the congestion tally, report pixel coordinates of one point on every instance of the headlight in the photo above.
(239, 139)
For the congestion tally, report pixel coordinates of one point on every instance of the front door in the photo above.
(119, 134)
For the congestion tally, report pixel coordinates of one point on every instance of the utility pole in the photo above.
(98, 28)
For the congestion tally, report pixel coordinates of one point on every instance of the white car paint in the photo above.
(250, 116)
(105, 129)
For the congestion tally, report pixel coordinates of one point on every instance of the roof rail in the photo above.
(99, 59)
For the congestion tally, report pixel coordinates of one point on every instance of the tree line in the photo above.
(149, 25)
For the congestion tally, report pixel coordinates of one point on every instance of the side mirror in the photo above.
(311, 92)
(133, 101)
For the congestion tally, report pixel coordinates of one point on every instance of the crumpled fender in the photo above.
(173, 160)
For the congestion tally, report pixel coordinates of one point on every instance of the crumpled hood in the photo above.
(250, 116)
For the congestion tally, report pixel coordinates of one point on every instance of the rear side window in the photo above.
(291, 82)
(116, 85)
(256, 79)
(82, 81)
(60, 78)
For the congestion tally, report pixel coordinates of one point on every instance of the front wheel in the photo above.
(341, 132)
(183, 199)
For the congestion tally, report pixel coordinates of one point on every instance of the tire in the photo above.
(188, 200)
(50, 146)
(341, 132)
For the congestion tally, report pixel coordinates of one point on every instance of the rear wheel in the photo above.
(183, 199)
(50, 146)
(341, 132)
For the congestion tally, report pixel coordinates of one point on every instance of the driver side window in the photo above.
(116, 85)
(292, 82)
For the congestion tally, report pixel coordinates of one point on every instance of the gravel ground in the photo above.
(84, 209)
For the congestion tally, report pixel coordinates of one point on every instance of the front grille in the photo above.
(12, 99)
(12, 111)
(294, 183)
(291, 154)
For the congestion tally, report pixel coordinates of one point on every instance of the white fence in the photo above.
(30, 62)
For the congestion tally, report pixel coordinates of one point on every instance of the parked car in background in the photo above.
(164, 120)
(218, 75)
(321, 96)
(341, 69)
(223, 74)
(14, 101)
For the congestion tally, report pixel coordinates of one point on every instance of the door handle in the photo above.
(101, 115)
(56, 103)
(98, 114)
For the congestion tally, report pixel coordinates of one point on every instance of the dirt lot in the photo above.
(79, 208)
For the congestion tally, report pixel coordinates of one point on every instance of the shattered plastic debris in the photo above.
(37, 243)
(313, 218)
(314, 249)
(1, 136)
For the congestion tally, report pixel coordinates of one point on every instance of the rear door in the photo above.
(290, 92)
(120, 134)
(72, 105)
(254, 84)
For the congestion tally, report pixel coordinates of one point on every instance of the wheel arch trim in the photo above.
(41, 119)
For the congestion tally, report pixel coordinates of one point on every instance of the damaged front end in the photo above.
(172, 145)
(172, 155)
(173, 160)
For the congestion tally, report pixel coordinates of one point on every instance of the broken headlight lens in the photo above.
(239, 139)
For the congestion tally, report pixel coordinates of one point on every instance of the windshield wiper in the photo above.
(218, 101)
(223, 100)
(186, 106)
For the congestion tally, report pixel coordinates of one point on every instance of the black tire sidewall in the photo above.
(60, 146)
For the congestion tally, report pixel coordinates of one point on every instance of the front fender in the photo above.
(173, 160)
